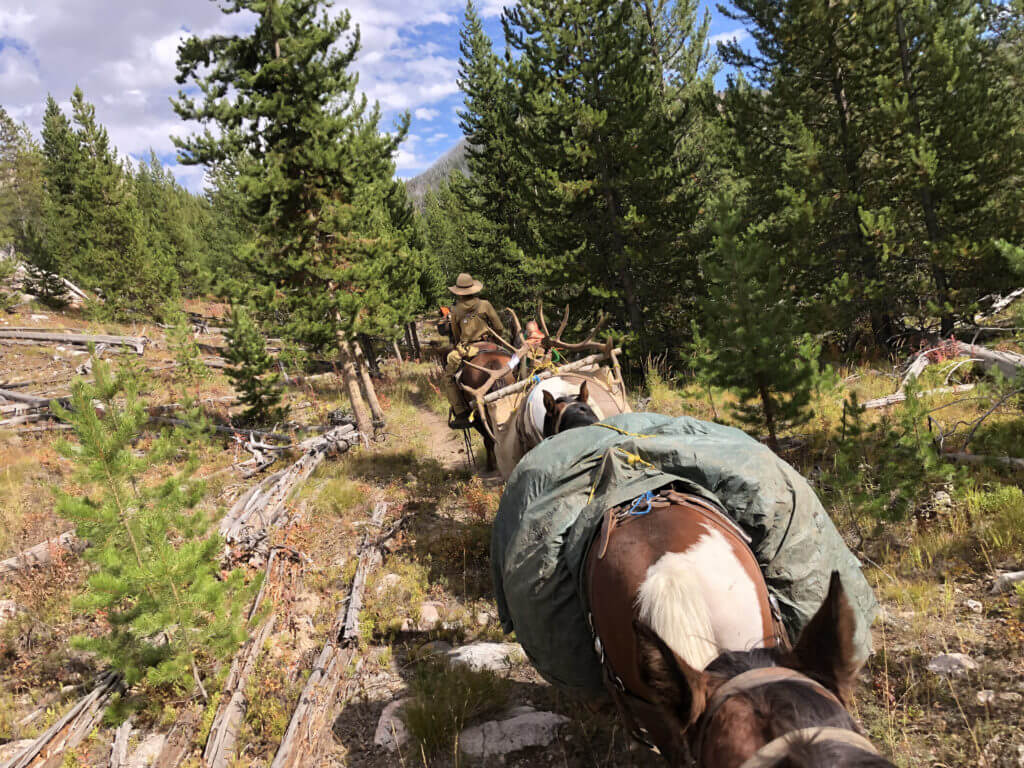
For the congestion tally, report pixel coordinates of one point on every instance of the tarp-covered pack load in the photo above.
(553, 505)
(519, 418)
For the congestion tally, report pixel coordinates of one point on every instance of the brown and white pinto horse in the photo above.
(694, 657)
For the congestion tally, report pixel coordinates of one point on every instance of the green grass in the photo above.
(444, 699)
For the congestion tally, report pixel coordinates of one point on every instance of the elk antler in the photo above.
(555, 342)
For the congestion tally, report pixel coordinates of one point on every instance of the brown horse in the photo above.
(694, 657)
(490, 357)
(697, 661)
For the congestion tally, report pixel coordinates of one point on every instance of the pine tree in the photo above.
(329, 260)
(156, 579)
(751, 321)
(21, 188)
(947, 130)
(595, 141)
(182, 344)
(252, 371)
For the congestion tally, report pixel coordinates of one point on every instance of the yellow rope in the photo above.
(632, 458)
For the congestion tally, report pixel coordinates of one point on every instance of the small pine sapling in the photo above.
(156, 589)
(185, 350)
(252, 371)
(751, 329)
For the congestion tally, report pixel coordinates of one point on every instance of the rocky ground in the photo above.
(435, 681)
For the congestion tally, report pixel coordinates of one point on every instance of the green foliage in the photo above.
(21, 192)
(8, 291)
(252, 371)
(335, 248)
(754, 329)
(182, 344)
(886, 468)
(445, 698)
(155, 587)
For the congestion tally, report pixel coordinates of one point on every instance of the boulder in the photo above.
(502, 737)
(1007, 581)
(391, 732)
(974, 606)
(952, 664)
(430, 615)
(8, 610)
(495, 657)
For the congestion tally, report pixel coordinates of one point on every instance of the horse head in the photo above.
(765, 708)
(568, 411)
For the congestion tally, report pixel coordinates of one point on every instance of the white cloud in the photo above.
(123, 54)
(737, 35)
(437, 137)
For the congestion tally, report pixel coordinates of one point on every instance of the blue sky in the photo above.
(122, 53)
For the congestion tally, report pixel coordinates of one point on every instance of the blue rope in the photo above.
(646, 499)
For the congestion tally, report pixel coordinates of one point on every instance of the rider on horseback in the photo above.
(472, 319)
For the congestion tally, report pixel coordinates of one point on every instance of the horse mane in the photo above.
(671, 602)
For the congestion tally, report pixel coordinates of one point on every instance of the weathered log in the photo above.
(900, 397)
(1008, 363)
(268, 506)
(119, 749)
(362, 365)
(43, 553)
(975, 460)
(220, 746)
(137, 343)
(1007, 581)
(304, 730)
(398, 351)
(350, 377)
(31, 400)
(999, 305)
(68, 732)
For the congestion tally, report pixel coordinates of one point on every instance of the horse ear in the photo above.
(584, 394)
(826, 650)
(549, 402)
(677, 687)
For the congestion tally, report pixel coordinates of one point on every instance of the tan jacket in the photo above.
(472, 317)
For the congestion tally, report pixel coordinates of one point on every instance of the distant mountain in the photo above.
(452, 160)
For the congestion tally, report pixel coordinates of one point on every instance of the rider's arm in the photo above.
(454, 322)
(494, 321)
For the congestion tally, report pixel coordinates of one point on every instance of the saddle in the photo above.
(649, 502)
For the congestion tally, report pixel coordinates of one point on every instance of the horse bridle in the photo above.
(775, 751)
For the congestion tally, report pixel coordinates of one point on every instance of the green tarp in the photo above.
(555, 498)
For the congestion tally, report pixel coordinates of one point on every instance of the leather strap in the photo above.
(774, 752)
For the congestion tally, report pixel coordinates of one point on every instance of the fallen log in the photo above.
(220, 746)
(999, 305)
(975, 460)
(42, 554)
(1008, 363)
(268, 506)
(137, 343)
(1007, 581)
(31, 400)
(119, 749)
(68, 732)
(900, 397)
(304, 730)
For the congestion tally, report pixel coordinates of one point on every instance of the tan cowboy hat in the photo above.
(465, 285)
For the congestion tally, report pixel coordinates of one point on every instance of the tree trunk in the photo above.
(769, 417)
(349, 376)
(415, 340)
(367, 382)
(398, 352)
(371, 356)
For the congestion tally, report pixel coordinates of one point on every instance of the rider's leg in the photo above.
(452, 392)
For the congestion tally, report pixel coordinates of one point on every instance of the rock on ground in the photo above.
(495, 657)
(148, 751)
(391, 732)
(953, 664)
(502, 737)
(8, 610)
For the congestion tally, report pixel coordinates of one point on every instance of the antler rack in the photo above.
(555, 342)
